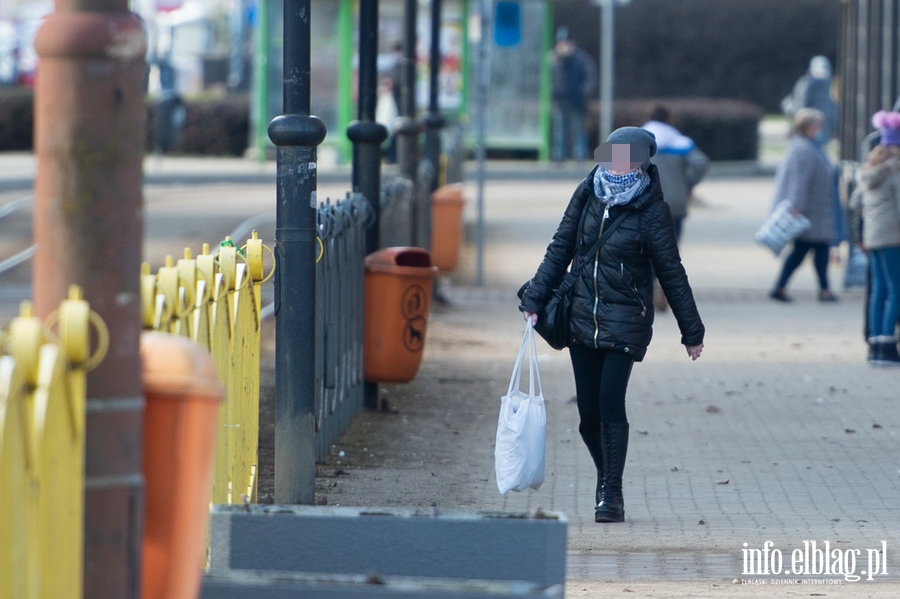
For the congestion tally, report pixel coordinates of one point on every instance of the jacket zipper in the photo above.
(596, 265)
(633, 288)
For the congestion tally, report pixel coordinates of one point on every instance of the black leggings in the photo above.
(795, 258)
(601, 379)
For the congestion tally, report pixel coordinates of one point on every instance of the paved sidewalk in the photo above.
(779, 432)
(781, 406)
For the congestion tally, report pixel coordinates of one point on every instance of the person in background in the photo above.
(813, 90)
(573, 77)
(681, 166)
(386, 113)
(879, 181)
(611, 321)
(854, 211)
(806, 179)
(680, 162)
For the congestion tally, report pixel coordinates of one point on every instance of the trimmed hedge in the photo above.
(16, 118)
(724, 129)
(213, 127)
(752, 50)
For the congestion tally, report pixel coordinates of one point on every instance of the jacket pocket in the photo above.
(628, 282)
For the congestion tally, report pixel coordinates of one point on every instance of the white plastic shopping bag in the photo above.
(522, 426)
(781, 228)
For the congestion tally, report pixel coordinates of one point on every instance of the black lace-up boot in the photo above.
(614, 443)
(595, 447)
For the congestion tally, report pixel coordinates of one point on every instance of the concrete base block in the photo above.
(266, 585)
(456, 545)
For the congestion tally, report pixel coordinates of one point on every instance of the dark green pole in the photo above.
(296, 134)
(367, 136)
(434, 121)
(408, 127)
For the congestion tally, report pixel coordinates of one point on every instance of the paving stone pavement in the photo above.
(780, 432)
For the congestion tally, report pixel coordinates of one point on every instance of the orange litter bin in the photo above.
(446, 226)
(183, 396)
(398, 284)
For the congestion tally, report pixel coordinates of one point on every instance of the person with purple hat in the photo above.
(879, 180)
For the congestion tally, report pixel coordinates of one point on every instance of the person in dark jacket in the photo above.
(573, 77)
(813, 90)
(612, 308)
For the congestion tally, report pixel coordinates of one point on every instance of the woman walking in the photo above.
(879, 180)
(806, 178)
(619, 205)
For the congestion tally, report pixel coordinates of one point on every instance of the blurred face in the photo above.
(565, 47)
(620, 158)
(812, 129)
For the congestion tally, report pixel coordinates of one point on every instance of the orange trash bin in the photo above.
(398, 284)
(446, 226)
(183, 396)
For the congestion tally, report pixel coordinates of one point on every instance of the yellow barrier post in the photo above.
(216, 300)
(42, 445)
(59, 429)
(179, 298)
(13, 480)
(220, 345)
(26, 337)
(227, 260)
(254, 250)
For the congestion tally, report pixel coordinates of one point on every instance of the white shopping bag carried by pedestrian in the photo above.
(522, 426)
(781, 228)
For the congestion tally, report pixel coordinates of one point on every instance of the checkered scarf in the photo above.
(616, 190)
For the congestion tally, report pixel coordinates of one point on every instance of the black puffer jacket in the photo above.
(613, 296)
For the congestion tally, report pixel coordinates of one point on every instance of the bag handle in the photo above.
(534, 368)
(516, 379)
(534, 373)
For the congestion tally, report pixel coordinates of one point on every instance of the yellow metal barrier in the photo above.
(42, 420)
(215, 300)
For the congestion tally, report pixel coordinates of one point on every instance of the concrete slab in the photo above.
(438, 544)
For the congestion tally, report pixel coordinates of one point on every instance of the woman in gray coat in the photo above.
(806, 179)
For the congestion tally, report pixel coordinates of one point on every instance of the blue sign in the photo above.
(507, 24)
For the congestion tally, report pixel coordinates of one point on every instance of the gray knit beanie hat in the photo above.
(635, 136)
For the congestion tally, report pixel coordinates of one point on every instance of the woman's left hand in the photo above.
(694, 351)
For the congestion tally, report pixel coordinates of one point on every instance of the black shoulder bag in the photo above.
(553, 319)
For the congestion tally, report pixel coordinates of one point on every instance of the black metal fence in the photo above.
(339, 316)
(869, 68)
(395, 221)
